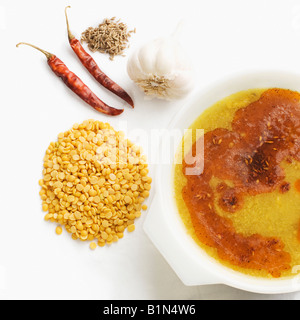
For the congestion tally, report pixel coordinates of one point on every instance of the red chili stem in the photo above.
(94, 69)
(75, 83)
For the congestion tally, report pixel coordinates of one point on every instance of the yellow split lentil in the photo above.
(94, 183)
(131, 228)
(93, 245)
(58, 230)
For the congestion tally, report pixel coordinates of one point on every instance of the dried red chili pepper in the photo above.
(76, 84)
(93, 68)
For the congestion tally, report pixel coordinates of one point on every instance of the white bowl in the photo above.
(163, 224)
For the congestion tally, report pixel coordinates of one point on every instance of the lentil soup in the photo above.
(244, 208)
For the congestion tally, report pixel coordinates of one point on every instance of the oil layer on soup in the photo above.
(243, 208)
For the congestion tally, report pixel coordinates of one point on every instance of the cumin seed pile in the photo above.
(109, 37)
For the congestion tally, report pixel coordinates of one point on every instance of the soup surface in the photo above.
(244, 207)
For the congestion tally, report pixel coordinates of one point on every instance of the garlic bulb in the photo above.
(161, 68)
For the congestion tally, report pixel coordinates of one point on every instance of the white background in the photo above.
(222, 37)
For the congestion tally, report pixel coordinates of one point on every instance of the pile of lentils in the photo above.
(94, 183)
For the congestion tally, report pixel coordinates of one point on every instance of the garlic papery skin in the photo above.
(162, 69)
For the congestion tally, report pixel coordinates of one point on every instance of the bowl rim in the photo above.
(164, 193)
